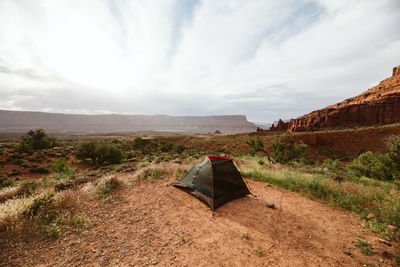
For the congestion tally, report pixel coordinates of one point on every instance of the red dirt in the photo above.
(159, 224)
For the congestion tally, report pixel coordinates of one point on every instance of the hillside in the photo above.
(21, 121)
(378, 105)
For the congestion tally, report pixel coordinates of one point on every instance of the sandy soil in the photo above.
(157, 224)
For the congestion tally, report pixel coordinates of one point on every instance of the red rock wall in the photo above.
(378, 105)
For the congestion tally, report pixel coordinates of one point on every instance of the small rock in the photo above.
(270, 205)
(370, 216)
(385, 242)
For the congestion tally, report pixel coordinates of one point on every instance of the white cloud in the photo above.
(264, 59)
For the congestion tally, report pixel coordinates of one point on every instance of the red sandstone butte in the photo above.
(378, 105)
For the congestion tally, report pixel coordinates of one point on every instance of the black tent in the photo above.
(215, 181)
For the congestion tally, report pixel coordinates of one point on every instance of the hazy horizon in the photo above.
(262, 59)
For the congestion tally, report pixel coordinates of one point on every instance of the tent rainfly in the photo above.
(215, 181)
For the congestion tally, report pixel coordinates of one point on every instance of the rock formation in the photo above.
(378, 105)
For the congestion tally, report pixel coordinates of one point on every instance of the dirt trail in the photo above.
(161, 225)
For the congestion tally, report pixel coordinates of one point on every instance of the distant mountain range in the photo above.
(22, 121)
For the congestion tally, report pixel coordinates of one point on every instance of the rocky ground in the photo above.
(157, 224)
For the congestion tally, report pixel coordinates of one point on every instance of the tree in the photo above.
(257, 145)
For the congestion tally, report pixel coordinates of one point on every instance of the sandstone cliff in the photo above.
(21, 121)
(378, 105)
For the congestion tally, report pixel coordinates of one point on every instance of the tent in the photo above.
(215, 181)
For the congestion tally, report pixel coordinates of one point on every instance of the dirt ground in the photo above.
(157, 224)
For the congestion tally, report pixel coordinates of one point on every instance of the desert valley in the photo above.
(200, 133)
(97, 190)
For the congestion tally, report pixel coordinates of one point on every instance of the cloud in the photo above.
(263, 59)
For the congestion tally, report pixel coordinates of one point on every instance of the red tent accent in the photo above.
(220, 157)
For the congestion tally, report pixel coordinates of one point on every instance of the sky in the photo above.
(266, 59)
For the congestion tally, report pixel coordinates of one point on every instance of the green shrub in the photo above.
(105, 191)
(28, 188)
(140, 143)
(45, 216)
(376, 166)
(60, 166)
(100, 152)
(19, 161)
(111, 154)
(256, 145)
(5, 182)
(333, 165)
(39, 169)
(36, 139)
(285, 153)
(178, 148)
(166, 146)
(80, 223)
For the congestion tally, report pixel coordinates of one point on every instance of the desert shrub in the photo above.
(47, 216)
(36, 139)
(105, 191)
(39, 169)
(140, 143)
(394, 153)
(60, 166)
(24, 147)
(63, 186)
(256, 145)
(376, 166)
(333, 165)
(286, 153)
(5, 182)
(166, 146)
(19, 161)
(39, 157)
(87, 150)
(109, 153)
(80, 223)
(100, 152)
(28, 188)
(178, 148)
(15, 156)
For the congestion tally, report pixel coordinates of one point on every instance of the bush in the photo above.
(146, 146)
(178, 148)
(376, 166)
(36, 139)
(28, 188)
(47, 216)
(140, 143)
(285, 153)
(166, 146)
(256, 145)
(100, 152)
(105, 191)
(60, 166)
(333, 165)
(5, 182)
(39, 169)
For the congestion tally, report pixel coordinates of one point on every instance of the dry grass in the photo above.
(11, 210)
(153, 171)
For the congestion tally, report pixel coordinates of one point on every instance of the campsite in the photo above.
(130, 213)
(200, 133)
